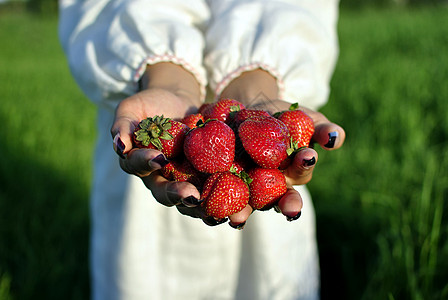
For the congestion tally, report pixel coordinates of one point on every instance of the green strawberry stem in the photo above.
(294, 106)
(152, 130)
(200, 124)
(243, 175)
(293, 147)
(233, 111)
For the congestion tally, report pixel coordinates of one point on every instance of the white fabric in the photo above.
(108, 42)
(294, 40)
(141, 249)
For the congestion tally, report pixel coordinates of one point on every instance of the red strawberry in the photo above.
(265, 139)
(300, 126)
(237, 167)
(221, 110)
(266, 187)
(243, 114)
(210, 147)
(204, 106)
(162, 134)
(183, 171)
(192, 120)
(224, 194)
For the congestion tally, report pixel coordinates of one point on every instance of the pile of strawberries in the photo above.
(233, 155)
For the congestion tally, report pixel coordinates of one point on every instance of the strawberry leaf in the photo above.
(293, 147)
(152, 130)
(245, 177)
(277, 114)
(144, 124)
(290, 151)
(294, 106)
(157, 144)
(166, 136)
(234, 109)
(143, 137)
(199, 123)
(166, 126)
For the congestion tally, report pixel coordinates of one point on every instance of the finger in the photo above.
(171, 193)
(194, 212)
(238, 220)
(301, 169)
(125, 121)
(122, 136)
(142, 162)
(211, 221)
(122, 131)
(291, 205)
(327, 134)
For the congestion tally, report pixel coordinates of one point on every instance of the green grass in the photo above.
(47, 135)
(380, 200)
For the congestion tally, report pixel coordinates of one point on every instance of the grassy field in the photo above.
(47, 135)
(380, 201)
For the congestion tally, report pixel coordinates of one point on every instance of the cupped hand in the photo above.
(328, 135)
(145, 163)
(258, 89)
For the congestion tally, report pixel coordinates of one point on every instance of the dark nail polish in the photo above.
(120, 148)
(191, 201)
(309, 162)
(293, 218)
(238, 226)
(160, 160)
(210, 221)
(331, 139)
(277, 209)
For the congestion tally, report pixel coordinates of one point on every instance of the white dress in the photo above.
(141, 249)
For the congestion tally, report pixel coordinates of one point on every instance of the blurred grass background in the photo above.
(47, 135)
(380, 200)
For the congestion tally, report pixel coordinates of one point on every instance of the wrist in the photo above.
(257, 89)
(252, 88)
(173, 78)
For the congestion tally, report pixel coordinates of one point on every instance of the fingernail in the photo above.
(309, 162)
(158, 162)
(119, 146)
(277, 209)
(191, 201)
(331, 139)
(210, 221)
(238, 226)
(293, 218)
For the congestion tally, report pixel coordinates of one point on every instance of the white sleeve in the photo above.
(296, 41)
(109, 43)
